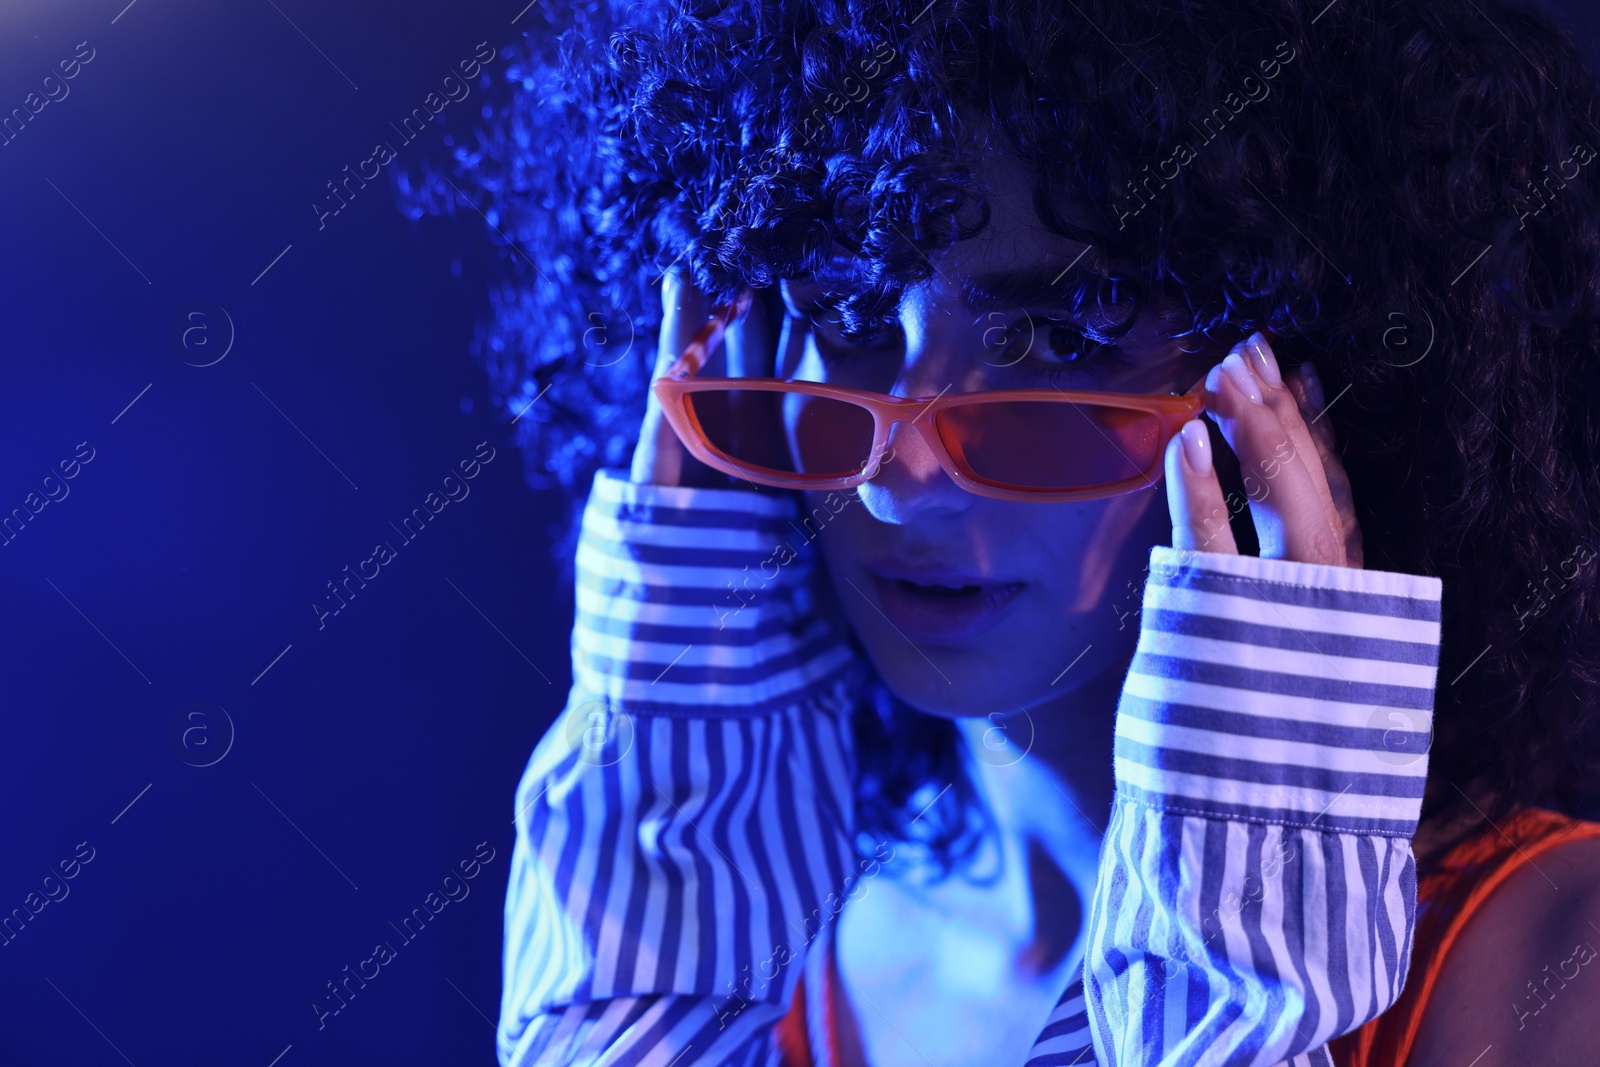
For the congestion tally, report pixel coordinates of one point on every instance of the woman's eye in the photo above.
(832, 338)
(1054, 343)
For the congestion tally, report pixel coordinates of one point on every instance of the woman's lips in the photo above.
(934, 614)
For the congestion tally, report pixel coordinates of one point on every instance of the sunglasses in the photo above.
(1046, 445)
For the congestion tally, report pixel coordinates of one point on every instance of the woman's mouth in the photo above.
(943, 612)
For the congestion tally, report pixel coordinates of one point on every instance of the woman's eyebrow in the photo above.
(1053, 284)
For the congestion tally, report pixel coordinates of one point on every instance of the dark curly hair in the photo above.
(1395, 187)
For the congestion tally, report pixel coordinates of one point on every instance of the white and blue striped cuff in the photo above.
(690, 599)
(1275, 691)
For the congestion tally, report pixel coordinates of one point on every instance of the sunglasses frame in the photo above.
(673, 389)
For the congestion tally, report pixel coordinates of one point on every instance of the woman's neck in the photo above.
(1045, 775)
(1056, 755)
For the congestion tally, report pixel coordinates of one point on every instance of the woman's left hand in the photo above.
(1299, 495)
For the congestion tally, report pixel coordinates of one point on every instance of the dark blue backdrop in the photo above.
(184, 557)
(261, 793)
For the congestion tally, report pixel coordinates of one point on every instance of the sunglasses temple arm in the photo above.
(706, 341)
(1196, 396)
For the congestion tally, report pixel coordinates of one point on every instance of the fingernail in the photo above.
(1313, 383)
(1196, 446)
(1266, 363)
(1233, 366)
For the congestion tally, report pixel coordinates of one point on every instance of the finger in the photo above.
(1290, 502)
(1194, 496)
(1307, 389)
(1300, 426)
(659, 458)
(752, 343)
(684, 310)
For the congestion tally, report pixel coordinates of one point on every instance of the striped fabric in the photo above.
(1065, 1039)
(684, 828)
(1256, 885)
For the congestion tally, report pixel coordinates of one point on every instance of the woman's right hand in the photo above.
(1304, 510)
(747, 351)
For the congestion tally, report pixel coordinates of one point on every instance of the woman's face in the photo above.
(1050, 591)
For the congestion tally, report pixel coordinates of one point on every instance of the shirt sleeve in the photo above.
(1256, 890)
(684, 828)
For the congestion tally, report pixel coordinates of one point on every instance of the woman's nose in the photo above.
(910, 482)
(939, 358)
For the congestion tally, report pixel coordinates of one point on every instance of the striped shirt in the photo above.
(685, 827)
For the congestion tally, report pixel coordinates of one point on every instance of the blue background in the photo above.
(369, 757)
(378, 751)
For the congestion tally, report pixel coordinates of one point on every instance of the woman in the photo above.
(683, 831)
(1101, 197)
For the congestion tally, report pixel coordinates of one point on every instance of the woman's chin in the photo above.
(969, 696)
(989, 682)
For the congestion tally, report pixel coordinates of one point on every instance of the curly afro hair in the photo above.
(1397, 188)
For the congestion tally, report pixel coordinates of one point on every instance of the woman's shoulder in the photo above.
(1522, 972)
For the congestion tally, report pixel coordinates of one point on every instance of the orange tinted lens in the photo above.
(785, 432)
(1050, 444)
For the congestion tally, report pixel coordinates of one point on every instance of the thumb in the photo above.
(659, 458)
